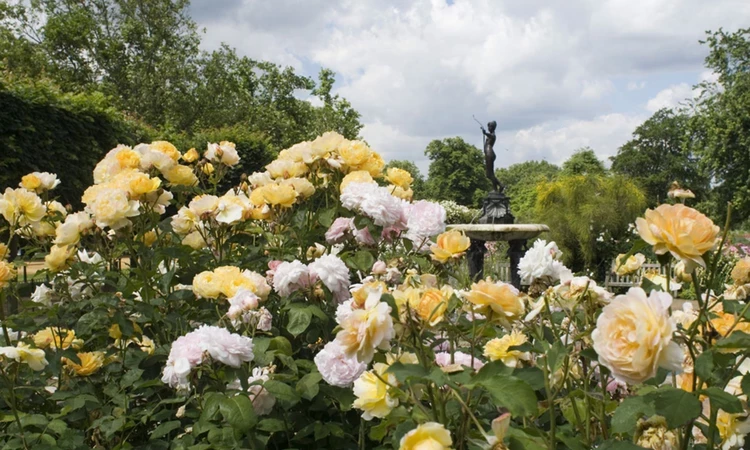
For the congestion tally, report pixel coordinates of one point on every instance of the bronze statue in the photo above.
(489, 155)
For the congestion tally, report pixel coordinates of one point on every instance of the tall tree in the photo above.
(520, 181)
(456, 172)
(722, 122)
(418, 185)
(658, 154)
(145, 55)
(589, 217)
(584, 162)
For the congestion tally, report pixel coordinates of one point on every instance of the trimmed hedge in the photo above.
(42, 129)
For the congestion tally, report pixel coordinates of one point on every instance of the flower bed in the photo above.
(316, 304)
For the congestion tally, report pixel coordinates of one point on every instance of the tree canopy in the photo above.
(456, 172)
(659, 154)
(520, 181)
(584, 162)
(145, 56)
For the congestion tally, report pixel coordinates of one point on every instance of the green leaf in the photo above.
(34, 420)
(736, 340)
(490, 371)
(309, 385)
(724, 400)
(165, 428)
(746, 384)
(326, 217)
(285, 395)
(238, 412)
(556, 356)
(363, 261)
(299, 320)
(402, 371)
(678, 407)
(628, 412)
(512, 393)
(519, 439)
(281, 345)
(271, 425)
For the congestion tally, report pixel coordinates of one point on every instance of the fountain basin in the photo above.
(500, 232)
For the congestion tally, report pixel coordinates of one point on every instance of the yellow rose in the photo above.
(91, 362)
(500, 349)
(146, 344)
(191, 156)
(399, 177)
(374, 165)
(722, 322)
(194, 240)
(128, 159)
(143, 184)
(69, 231)
(31, 182)
(231, 280)
(207, 284)
(286, 168)
(633, 336)
(166, 148)
(679, 230)
(355, 154)
(372, 393)
(741, 271)
(399, 192)
(204, 204)
(261, 213)
(631, 265)
(653, 433)
(3, 251)
(59, 257)
(115, 332)
(207, 169)
(501, 298)
(55, 338)
(7, 273)
(110, 205)
(428, 436)
(34, 357)
(451, 244)
(432, 304)
(404, 298)
(360, 294)
(358, 176)
(180, 175)
(149, 238)
(21, 207)
(366, 329)
(277, 194)
(302, 186)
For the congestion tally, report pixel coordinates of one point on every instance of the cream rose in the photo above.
(679, 230)
(633, 336)
(631, 265)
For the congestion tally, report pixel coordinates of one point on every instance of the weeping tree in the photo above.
(589, 217)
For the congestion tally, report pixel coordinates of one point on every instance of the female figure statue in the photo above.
(489, 155)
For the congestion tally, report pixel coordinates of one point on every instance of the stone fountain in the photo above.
(496, 222)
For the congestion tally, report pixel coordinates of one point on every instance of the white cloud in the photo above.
(636, 86)
(670, 97)
(418, 69)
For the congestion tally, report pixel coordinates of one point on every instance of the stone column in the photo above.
(515, 253)
(476, 259)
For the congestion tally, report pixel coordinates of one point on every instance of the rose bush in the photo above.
(314, 304)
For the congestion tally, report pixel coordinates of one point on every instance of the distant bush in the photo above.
(44, 130)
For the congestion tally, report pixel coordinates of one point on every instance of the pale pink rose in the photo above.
(379, 268)
(425, 219)
(336, 368)
(443, 359)
(334, 274)
(262, 400)
(364, 237)
(339, 230)
(228, 348)
(374, 202)
(290, 277)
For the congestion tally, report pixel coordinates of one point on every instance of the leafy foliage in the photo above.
(456, 172)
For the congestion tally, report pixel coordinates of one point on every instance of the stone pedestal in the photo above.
(515, 234)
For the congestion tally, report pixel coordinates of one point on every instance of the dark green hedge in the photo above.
(42, 129)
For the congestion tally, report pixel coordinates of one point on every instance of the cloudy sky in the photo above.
(557, 75)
